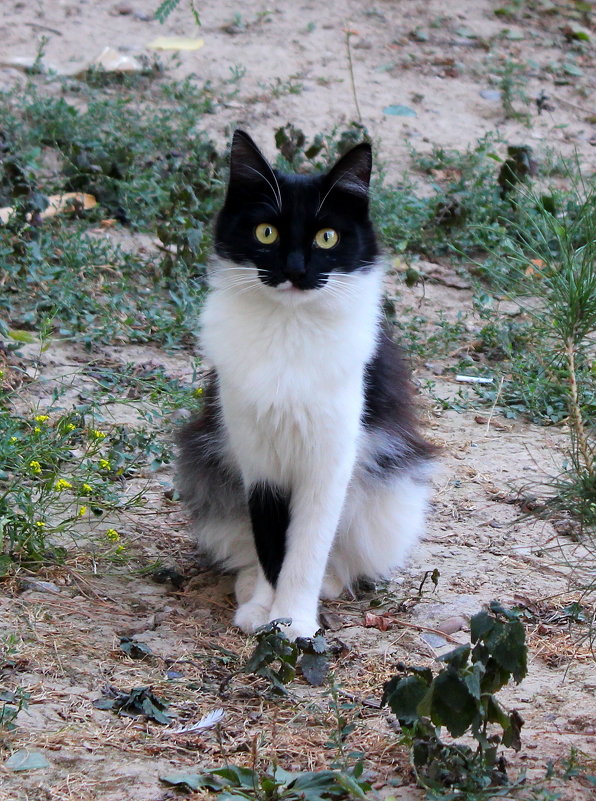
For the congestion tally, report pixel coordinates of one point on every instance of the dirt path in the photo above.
(435, 62)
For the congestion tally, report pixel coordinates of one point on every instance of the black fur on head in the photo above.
(297, 207)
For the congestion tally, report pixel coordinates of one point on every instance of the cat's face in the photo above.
(296, 230)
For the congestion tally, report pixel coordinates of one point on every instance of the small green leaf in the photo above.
(190, 781)
(235, 776)
(399, 111)
(314, 668)
(512, 733)
(480, 625)
(350, 785)
(19, 335)
(506, 643)
(187, 781)
(453, 705)
(26, 760)
(572, 69)
(404, 697)
(286, 673)
(466, 33)
(458, 658)
(104, 703)
(6, 562)
(134, 649)
(424, 673)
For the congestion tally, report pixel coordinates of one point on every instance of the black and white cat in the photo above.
(306, 470)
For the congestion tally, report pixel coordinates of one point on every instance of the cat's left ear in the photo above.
(352, 172)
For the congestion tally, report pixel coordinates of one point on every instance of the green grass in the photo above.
(149, 169)
(130, 150)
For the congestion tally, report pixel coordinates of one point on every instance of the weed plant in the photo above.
(130, 153)
(554, 259)
(461, 698)
(58, 472)
(65, 469)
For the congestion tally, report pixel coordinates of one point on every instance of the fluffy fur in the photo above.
(305, 471)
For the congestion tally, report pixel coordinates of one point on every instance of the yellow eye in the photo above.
(266, 233)
(326, 238)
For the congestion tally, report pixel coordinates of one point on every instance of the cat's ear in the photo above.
(249, 167)
(352, 172)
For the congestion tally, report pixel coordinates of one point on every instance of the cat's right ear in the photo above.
(249, 168)
(351, 173)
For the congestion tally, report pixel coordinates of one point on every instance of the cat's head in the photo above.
(296, 230)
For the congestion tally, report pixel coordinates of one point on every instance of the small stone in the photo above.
(434, 640)
(493, 95)
(330, 621)
(451, 625)
(39, 586)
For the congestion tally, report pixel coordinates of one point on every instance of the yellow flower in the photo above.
(40, 524)
(97, 434)
(86, 489)
(82, 511)
(198, 392)
(112, 535)
(41, 418)
(13, 439)
(120, 548)
(104, 464)
(62, 484)
(37, 430)
(1, 373)
(70, 426)
(35, 467)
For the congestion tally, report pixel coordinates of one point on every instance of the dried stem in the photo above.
(576, 418)
(351, 70)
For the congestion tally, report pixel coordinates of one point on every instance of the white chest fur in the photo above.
(290, 365)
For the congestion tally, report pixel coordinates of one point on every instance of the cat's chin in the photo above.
(289, 294)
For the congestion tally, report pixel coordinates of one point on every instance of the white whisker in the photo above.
(276, 194)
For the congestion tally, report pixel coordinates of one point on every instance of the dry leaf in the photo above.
(380, 622)
(175, 43)
(535, 267)
(68, 201)
(57, 204)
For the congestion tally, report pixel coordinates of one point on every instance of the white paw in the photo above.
(250, 615)
(300, 627)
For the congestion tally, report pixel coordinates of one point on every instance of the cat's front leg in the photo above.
(255, 596)
(315, 512)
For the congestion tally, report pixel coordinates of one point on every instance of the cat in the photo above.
(305, 471)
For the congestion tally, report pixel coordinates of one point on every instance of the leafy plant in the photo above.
(11, 704)
(553, 257)
(512, 83)
(461, 698)
(64, 468)
(296, 153)
(166, 7)
(309, 655)
(274, 784)
(45, 490)
(138, 701)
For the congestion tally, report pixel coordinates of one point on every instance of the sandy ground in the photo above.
(478, 539)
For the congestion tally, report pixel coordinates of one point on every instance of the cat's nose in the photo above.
(295, 266)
